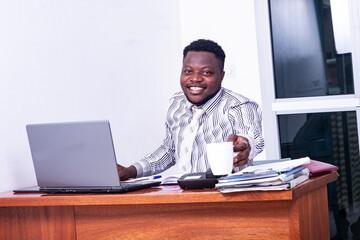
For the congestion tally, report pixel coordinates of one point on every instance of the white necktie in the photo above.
(188, 141)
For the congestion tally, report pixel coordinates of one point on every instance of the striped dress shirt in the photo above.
(226, 113)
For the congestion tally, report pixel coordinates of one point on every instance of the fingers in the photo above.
(122, 172)
(245, 142)
(232, 138)
(242, 157)
(126, 172)
(239, 163)
(242, 147)
(241, 144)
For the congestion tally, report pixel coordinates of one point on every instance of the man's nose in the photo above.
(196, 77)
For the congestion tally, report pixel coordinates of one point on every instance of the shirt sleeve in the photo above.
(159, 160)
(246, 119)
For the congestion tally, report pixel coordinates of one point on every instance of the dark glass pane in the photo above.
(332, 138)
(305, 59)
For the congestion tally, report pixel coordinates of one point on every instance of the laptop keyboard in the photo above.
(138, 183)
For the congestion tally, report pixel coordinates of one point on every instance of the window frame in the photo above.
(272, 107)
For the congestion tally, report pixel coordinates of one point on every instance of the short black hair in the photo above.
(203, 45)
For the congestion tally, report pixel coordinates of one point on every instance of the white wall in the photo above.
(114, 59)
(231, 23)
(83, 60)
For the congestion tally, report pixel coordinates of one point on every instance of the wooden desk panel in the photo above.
(169, 212)
(309, 215)
(37, 223)
(185, 221)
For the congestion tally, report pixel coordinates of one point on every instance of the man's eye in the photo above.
(187, 71)
(207, 72)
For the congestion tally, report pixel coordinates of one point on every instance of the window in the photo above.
(310, 99)
(306, 62)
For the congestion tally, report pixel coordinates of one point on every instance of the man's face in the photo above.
(201, 76)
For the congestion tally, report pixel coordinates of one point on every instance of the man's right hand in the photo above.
(127, 172)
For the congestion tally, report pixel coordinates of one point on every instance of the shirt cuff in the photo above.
(142, 168)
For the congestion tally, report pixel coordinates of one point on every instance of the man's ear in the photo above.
(222, 75)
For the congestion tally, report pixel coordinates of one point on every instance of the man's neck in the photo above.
(212, 100)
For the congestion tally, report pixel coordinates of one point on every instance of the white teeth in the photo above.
(195, 88)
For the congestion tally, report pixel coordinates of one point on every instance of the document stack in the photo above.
(282, 175)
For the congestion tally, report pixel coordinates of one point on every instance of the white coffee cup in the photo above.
(220, 157)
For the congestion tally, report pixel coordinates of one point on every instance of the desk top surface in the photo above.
(160, 195)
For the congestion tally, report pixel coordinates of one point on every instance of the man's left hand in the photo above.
(242, 148)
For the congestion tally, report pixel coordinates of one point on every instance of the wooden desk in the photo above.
(168, 212)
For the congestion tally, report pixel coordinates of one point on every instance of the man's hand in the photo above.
(126, 172)
(242, 147)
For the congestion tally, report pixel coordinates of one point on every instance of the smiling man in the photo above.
(202, 113)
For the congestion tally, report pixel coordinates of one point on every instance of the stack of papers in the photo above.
(282, 175)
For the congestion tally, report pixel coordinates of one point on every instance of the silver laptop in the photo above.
(77, 157)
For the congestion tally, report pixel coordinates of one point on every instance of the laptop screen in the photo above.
(74, 154)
